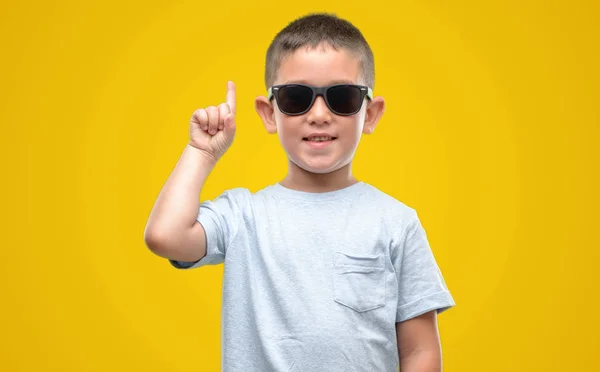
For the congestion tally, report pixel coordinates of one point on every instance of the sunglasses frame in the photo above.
(365, 91)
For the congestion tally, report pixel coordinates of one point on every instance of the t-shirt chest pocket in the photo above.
(359, 281)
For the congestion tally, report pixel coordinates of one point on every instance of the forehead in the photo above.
(319, 66)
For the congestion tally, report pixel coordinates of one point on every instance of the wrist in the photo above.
(205, 157)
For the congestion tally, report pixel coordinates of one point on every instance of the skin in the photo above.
(419, 346)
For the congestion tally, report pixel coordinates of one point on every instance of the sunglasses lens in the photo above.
(344, 99)
(294, 99)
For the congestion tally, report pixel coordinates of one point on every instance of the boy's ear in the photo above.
(267, 113)
(375, 109)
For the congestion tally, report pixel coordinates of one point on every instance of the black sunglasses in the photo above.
(342, 99)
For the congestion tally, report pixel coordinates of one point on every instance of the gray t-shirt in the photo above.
(317, 281)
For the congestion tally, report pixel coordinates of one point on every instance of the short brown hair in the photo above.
(312, 30)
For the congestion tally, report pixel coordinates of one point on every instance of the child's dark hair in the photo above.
(312, 30)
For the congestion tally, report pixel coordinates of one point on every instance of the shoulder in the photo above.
(233, 196)
(234, 201)
(391, 205)
(397, 217)
(238, 193)
(242, 198)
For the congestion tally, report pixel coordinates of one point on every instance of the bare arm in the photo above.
(172, 230)
(419, 344)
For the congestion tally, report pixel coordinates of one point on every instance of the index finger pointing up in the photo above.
(231, 96)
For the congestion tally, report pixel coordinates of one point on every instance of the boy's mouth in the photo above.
(319, 138)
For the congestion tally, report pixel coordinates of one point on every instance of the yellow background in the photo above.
(491, 132)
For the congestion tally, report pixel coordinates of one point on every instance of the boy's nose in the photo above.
(319, 112)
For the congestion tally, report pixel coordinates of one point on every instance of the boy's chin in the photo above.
(319, 167)
(319, 170)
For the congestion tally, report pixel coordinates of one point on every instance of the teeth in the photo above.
(319, 139)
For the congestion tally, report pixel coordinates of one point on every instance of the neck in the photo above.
(303, 180)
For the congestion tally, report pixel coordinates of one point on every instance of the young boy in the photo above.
(322, 272)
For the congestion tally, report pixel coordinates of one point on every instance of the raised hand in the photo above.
(212, 129)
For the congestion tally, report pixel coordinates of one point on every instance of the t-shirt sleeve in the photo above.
(221, 219)
(421, 286)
